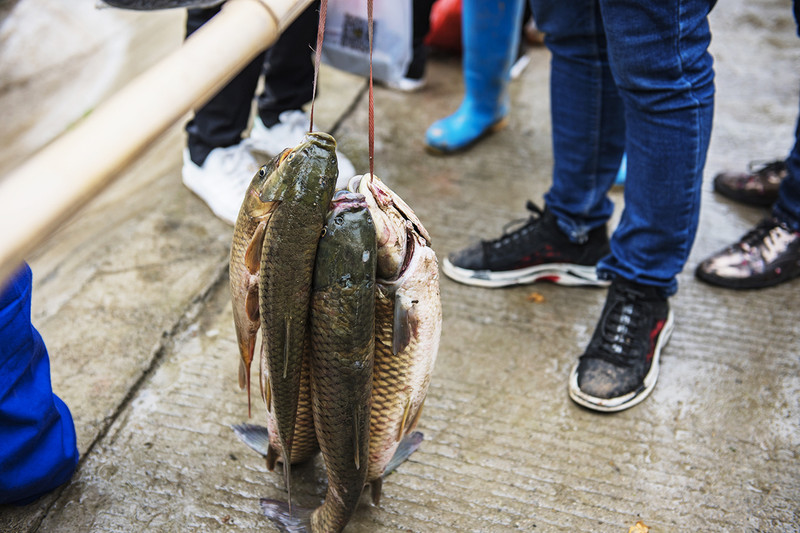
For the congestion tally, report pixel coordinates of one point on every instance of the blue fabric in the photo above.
(630, 77)
(38, 449)
(491, 39)
(787, 207)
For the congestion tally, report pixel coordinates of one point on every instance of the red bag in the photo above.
(445, 32)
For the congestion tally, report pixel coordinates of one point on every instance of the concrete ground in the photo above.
(132, 300)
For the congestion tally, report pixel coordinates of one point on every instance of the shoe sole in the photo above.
(560, 273)
(626, 401)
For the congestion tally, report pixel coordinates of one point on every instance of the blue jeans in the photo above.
(631, 77)
(787, 208)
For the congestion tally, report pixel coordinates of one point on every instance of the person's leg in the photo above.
(769, 254)
(564, 242)
(490, 34)
(659, 58)
(288, 68)
(38, 449)
(587, 115)
(217, 165)
(220, 122)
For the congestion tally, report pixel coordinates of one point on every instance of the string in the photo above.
(371, 99)
(323, 12)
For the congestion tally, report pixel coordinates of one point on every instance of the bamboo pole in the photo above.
(43, 193)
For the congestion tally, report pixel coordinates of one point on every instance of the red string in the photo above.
(371, 99)
(323, 11)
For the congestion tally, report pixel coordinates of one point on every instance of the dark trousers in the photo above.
(288, 79)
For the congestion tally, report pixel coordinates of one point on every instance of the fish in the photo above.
(152, 5)
(408, 325)
(305, 441)
(342, 346)
(245, 262)
(303, 189)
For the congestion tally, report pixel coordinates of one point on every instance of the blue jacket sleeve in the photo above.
(38, 449)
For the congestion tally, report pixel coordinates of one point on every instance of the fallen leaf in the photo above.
(640, 527)
(535, 297)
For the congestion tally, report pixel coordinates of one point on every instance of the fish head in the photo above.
(394, 222)
(311, 165)
(346, 255)
(253, 206)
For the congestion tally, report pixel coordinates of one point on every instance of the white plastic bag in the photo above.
(346, 43)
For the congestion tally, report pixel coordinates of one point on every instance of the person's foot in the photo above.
(537, 250)
(288, 132)
(758, 186)
(222, 180)
(767, 255)
(620, 366)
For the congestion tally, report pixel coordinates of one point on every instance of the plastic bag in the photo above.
(346, 43)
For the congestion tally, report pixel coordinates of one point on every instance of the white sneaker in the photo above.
(288, 132)
(407, 85)
(223, 179)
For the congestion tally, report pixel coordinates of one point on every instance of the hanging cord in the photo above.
(371, 99)
(323, 12)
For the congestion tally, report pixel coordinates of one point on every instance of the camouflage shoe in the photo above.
(757, 186)
(767, 255)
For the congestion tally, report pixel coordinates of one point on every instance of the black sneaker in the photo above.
(767, 255)
(538, 250)
(620, 366)
(758, 186)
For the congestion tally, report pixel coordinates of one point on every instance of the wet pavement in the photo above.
(131, 298)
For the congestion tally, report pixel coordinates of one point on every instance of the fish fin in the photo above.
(251, 303)
(242, 374)
(402, 428)
(375, 487)
(252, 256)
(356, 439)
(288, 520)
(286, 347)
(414, 420)
(256, 437)
(272, 457)
(407, 446)
(287, 472)
(244, 382)
(402, 328)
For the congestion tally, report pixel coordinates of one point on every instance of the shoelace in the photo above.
(515, 230)
(620, 327)
(236, 159)
(764, 168)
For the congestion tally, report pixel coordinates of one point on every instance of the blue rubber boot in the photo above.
(490, 34)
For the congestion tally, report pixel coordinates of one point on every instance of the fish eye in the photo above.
(286, 155)
(262, 171)
(339, 220)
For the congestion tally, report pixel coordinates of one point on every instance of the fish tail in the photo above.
(297, 520)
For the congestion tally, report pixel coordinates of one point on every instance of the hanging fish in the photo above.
(408, 325)
(303, 188)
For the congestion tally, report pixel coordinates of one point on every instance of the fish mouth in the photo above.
(346, 201)
(321, 139)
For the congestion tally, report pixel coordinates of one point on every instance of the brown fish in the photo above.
(408, 325)
(245, 261)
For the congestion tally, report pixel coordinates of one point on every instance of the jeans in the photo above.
(787, 207)
(632, 77)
